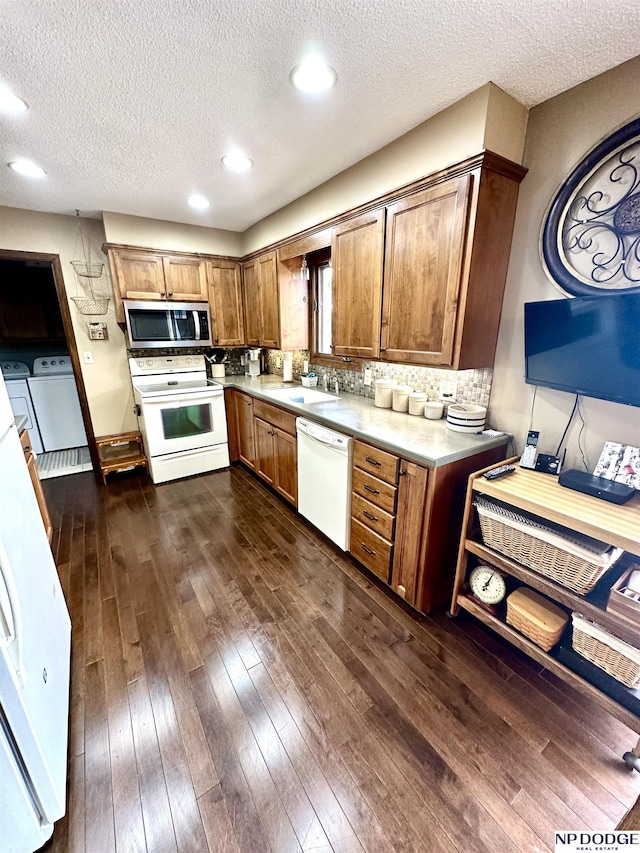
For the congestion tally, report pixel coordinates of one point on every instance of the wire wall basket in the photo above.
(91, 303)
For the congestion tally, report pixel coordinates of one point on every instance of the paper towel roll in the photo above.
(287, 366)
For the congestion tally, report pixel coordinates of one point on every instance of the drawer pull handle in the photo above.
(372, 461)
(372, 491)
(370, 517)
(364, 548)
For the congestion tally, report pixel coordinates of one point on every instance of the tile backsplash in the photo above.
(473, 386)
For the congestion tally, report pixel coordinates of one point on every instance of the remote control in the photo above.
(498, 472)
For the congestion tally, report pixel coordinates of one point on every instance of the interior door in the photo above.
(422, 273)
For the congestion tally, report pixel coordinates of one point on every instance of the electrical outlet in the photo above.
(305, 366)
(88, 357)
(448, 390)
(278, 361)
(367, 376)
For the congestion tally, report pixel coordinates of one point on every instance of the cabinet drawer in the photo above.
(372, 516)
(377, 462)
(371, 550)
(374, 490)
(278, 417)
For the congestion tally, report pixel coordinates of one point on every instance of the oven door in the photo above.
(184, 421)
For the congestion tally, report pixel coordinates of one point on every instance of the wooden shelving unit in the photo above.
(542, 495)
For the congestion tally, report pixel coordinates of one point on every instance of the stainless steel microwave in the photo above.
(167, 324)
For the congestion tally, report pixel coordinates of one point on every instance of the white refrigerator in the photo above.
(35, 640)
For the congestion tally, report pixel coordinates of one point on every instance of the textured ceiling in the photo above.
(133, 102)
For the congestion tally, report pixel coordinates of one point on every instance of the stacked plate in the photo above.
(466, 418)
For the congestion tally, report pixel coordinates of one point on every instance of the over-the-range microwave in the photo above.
(167, 324)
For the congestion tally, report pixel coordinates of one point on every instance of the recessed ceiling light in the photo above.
(27, 168)
(199, 202)
(10, 103)
(237, 162)
(313, 75)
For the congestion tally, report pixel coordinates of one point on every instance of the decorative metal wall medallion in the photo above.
(590, 241)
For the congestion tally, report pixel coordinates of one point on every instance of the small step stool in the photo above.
(119, 453)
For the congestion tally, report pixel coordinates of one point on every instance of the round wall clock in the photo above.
(590, 241)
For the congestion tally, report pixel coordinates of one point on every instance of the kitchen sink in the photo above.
(303, 395)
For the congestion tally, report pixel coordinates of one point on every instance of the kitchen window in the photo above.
(321, 315)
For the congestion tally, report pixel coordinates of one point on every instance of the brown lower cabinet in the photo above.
(406, 520)
(37, 485)
(265, 440)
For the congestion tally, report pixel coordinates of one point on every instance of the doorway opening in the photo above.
(40, 364)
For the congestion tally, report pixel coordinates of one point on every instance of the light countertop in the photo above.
(414, 437)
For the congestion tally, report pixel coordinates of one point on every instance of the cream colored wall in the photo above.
(452, 135)
(560, 132)
(107, 380)
(174, 236)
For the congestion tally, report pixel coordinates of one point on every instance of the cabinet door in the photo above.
(412, 492)
(265, 451)
(185, 278)
(138, 275)
(225, 301)
(286, 451)
(356, 256)
(244, 420)
(422, 273)
(37, 488)
(252, 310)
(269, 303)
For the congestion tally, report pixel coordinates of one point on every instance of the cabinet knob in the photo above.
(402, 472)
(383, 349)
(344, 358)
(170, 293)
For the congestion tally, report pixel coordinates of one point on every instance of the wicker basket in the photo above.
(614, 656)
(536, 617)
(309, 381)
(561, 561)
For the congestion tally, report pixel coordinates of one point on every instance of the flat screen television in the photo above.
(589, 346)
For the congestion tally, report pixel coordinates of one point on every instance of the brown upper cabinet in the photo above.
(225, 301)
(357, 247)
(421, 281)
(142, 274)
(275, 303)
(423, 262)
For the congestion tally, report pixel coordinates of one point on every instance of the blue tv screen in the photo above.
(589, 346)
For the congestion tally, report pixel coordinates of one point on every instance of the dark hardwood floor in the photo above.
(238, 685)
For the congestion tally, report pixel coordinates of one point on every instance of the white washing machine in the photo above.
(15, 375)
(56, 403)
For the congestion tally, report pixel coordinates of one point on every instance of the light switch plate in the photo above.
(367, 376)
(88, 357)
(448, 390)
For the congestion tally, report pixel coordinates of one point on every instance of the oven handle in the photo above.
(196, 324)
(174, 402)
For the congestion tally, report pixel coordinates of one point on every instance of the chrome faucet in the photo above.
(325, 382)
(336, 386)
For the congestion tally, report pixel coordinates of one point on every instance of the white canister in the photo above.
(217, 371)
(384, 393)
(416, 403)
(401, 398)
(433, 410)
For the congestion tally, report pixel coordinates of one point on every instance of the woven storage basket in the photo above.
(536, 617)
(561, 564)
(614, 656)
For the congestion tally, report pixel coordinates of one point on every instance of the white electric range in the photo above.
(181, 416)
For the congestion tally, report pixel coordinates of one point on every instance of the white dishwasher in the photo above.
(324, 479)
